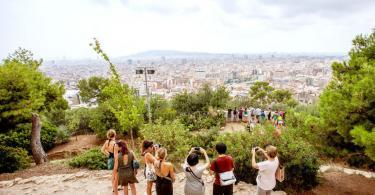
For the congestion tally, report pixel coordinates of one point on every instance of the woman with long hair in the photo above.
(148, 150)
(124, 160)
(165, 173)
(108, 149)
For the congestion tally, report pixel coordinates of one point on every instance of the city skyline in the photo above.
(53, 30)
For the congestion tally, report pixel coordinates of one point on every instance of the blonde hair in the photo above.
(271, 151)
(161, 153)
(111, 133)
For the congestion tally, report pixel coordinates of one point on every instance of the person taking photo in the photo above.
(194, 184)
(266, 179)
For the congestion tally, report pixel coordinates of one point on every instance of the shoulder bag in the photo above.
(226, 178)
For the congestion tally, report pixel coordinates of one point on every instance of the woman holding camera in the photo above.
(194, 184)
(148, 149)
(266, 179)
(165, 173)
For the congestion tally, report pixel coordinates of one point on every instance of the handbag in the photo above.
(226, 178)
(135, 164)
(150, 173)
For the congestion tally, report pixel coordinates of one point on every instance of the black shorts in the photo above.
(223, 190)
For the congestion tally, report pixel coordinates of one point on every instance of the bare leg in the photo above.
(132, 188)
(115, 184)
(125, 190)
(149, 187)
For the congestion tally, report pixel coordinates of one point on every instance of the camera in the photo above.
(157, 145)
(197, 148)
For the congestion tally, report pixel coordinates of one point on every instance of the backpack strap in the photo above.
(195, 176)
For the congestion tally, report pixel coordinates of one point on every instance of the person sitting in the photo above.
(165, 173)
(266, 179)
(194, 184)
(223, 163)
(124, 161)
(108, 149)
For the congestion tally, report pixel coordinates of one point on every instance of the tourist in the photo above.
(194, 184)
(245, 115)
(165, 173)
(235, 114)
(125, 166)
(266, 179)
(108, 149)
(229, 114)
(274, 117)
(269, 114)
(223, 166)
(240, 114)
(262, 116)
(280, 120)
(148, 149)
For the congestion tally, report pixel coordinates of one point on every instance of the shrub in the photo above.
(199, 121)
(173, 136)
(298, 156)
(91, 159)
(13, 159)
(21, 136)
(62, 134)
(78, 120)
(204, 139)
(103, 119)
(361, 161)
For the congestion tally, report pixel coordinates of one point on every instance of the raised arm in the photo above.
(207, 164)
(171, 171)
(253, 162)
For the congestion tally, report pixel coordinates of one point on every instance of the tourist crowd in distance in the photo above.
(255, 115)
(160, 173)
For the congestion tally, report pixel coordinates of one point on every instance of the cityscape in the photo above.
(305, 75)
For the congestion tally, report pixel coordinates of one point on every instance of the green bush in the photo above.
(298, 156)
(204, 139)
(78, 120)
(62, 135)
(21, 136)
(361, 161)
(201, 121)
(13, 159)
(173, 136)
(91, 159)
(103, 119)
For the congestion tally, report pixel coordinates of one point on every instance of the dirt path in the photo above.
(76, 145)
(58, 179)
(96, 182)
(336, 183)
(233, 127)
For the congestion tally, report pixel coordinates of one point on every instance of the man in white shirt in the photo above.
(266, 179)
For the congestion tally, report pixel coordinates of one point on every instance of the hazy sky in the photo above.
(53, 29)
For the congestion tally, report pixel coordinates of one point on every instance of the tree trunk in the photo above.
(39, 155)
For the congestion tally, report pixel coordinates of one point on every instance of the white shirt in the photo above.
(266, 178)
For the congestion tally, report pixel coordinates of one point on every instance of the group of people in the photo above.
(159, 172)
(256, 115)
